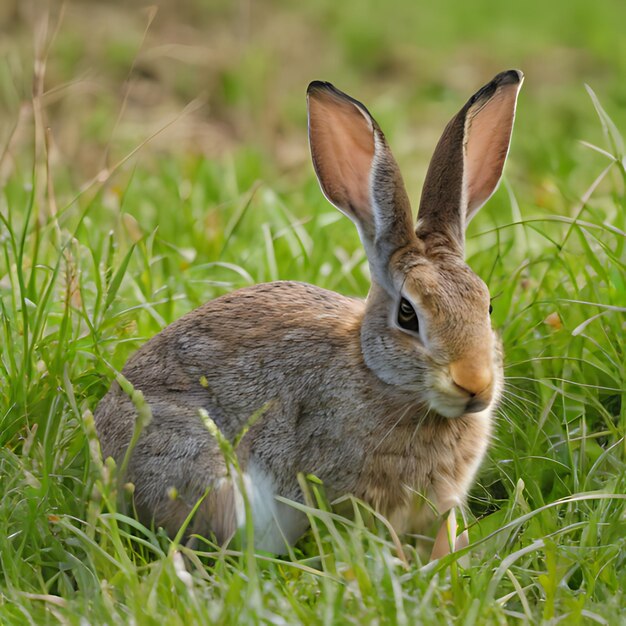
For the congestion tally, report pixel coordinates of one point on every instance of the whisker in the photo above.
(426, 415)
(404, 410)
(509, 384)
(510, 394)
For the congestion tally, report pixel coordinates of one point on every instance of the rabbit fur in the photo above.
(389, 399)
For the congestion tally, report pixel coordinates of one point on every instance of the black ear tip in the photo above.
(323, 88)
(320, 85)
(510, 77)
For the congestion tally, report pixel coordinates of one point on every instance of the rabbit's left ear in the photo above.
(468, 160)
(358, 173)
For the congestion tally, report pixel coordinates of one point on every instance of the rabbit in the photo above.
(389, 399)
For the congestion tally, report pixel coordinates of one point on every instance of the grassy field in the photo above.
(152, 160)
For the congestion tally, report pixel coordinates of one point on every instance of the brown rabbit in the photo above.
(390, 399)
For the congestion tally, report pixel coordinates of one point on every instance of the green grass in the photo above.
(88, 272)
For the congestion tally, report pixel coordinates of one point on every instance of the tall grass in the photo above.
(88, 272)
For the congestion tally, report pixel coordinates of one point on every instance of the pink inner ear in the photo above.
(488, 132)
(342, 147)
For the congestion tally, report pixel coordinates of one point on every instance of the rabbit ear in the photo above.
(358, 173)
(468, 160)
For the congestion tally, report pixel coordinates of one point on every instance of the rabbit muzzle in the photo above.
(475, 381)
(467, 385)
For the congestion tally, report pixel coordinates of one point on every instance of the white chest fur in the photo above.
(276, 524)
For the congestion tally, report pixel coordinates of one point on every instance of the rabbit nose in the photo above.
(474, 378)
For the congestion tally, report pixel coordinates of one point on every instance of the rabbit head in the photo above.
(426, 328)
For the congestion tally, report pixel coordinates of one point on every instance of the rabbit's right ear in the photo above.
(468, 160)
(358, 173)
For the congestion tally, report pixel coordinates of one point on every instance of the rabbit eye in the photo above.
(407, 317)
(490, 309)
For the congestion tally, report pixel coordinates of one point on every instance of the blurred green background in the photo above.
(248, 63)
